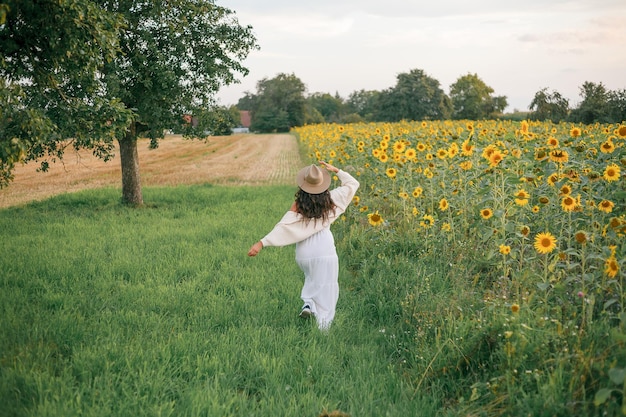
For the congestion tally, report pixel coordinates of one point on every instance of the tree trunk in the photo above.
(131, 180)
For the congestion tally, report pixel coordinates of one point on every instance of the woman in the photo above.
(307, 224)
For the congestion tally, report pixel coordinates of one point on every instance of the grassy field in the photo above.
(158, 311)
(483, 269)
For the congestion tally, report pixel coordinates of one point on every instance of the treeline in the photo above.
(281, 103)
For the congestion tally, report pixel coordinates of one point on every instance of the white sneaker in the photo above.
(306, 312)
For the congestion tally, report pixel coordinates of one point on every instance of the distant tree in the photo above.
(97, 71)
(312, 115)
(416, 96)
(330, 107)
(362, 103)
(549, 106)
(217, 121)
(472, 99)
(279, 104)
(594, 105)
(247, 102)
(617, 106)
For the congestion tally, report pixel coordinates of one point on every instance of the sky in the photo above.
(515, 47)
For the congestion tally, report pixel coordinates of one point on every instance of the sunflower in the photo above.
(606, 206)
(421, 147)
(575, 132)
(611, 268)
(521, 197)
(442, 153)
(417, 192)
(443, 204)
(427, 221)
(403, 194)
(466, 148)
(488, 151)
(356, 200)
(505, 249)
(607, 147)
(559, 155)
(525, 231)
(399, 146)
(375, 219)
(495, 158)
(486, 213)
(552, 142)
(410, 154)
(553, 178)
(611, 173)
(544, 200)
(568, 203)
(453, 150)
(621, 131)
(383, 157)
(415, 211)
(581, 237)
(515, 308)
(446, 227)
(524, 126)
(545, 242)
(466, 165)
(391, 172)
(565, 190)
(428, 173)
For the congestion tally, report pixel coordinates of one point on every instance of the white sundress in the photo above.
(317, 258)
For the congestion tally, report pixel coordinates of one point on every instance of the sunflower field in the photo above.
(492, 255)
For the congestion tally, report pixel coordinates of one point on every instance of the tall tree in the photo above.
(175, 54)
(127, 69)
(472, 99)
(594, 106)
(279, 104)
(330, 107)
(617, 106)
(416, 96)
(363, 103)
(51, 94)
(549, 106)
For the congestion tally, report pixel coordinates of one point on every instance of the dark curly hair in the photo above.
(314, 206)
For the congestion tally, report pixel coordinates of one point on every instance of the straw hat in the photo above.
(313, 179)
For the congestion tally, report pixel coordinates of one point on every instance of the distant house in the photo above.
(244, 122)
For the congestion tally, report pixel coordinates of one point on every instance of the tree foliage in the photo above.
(278, 105)
(103, 70)
(416, 96)
(472, 99)
(51, 94)
(549, 106)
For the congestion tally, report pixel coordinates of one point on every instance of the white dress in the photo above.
(317, 258)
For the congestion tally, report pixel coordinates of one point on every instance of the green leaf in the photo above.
(601, 396)
(617, 375)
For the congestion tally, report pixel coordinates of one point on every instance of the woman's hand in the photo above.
(255, 249)
(329, 167)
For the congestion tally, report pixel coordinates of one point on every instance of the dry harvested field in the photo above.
(243, 159)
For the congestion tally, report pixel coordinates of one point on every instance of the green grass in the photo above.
(107, 310)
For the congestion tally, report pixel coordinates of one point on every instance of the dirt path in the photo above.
(237, 160)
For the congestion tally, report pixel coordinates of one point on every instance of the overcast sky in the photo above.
(515, 47)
